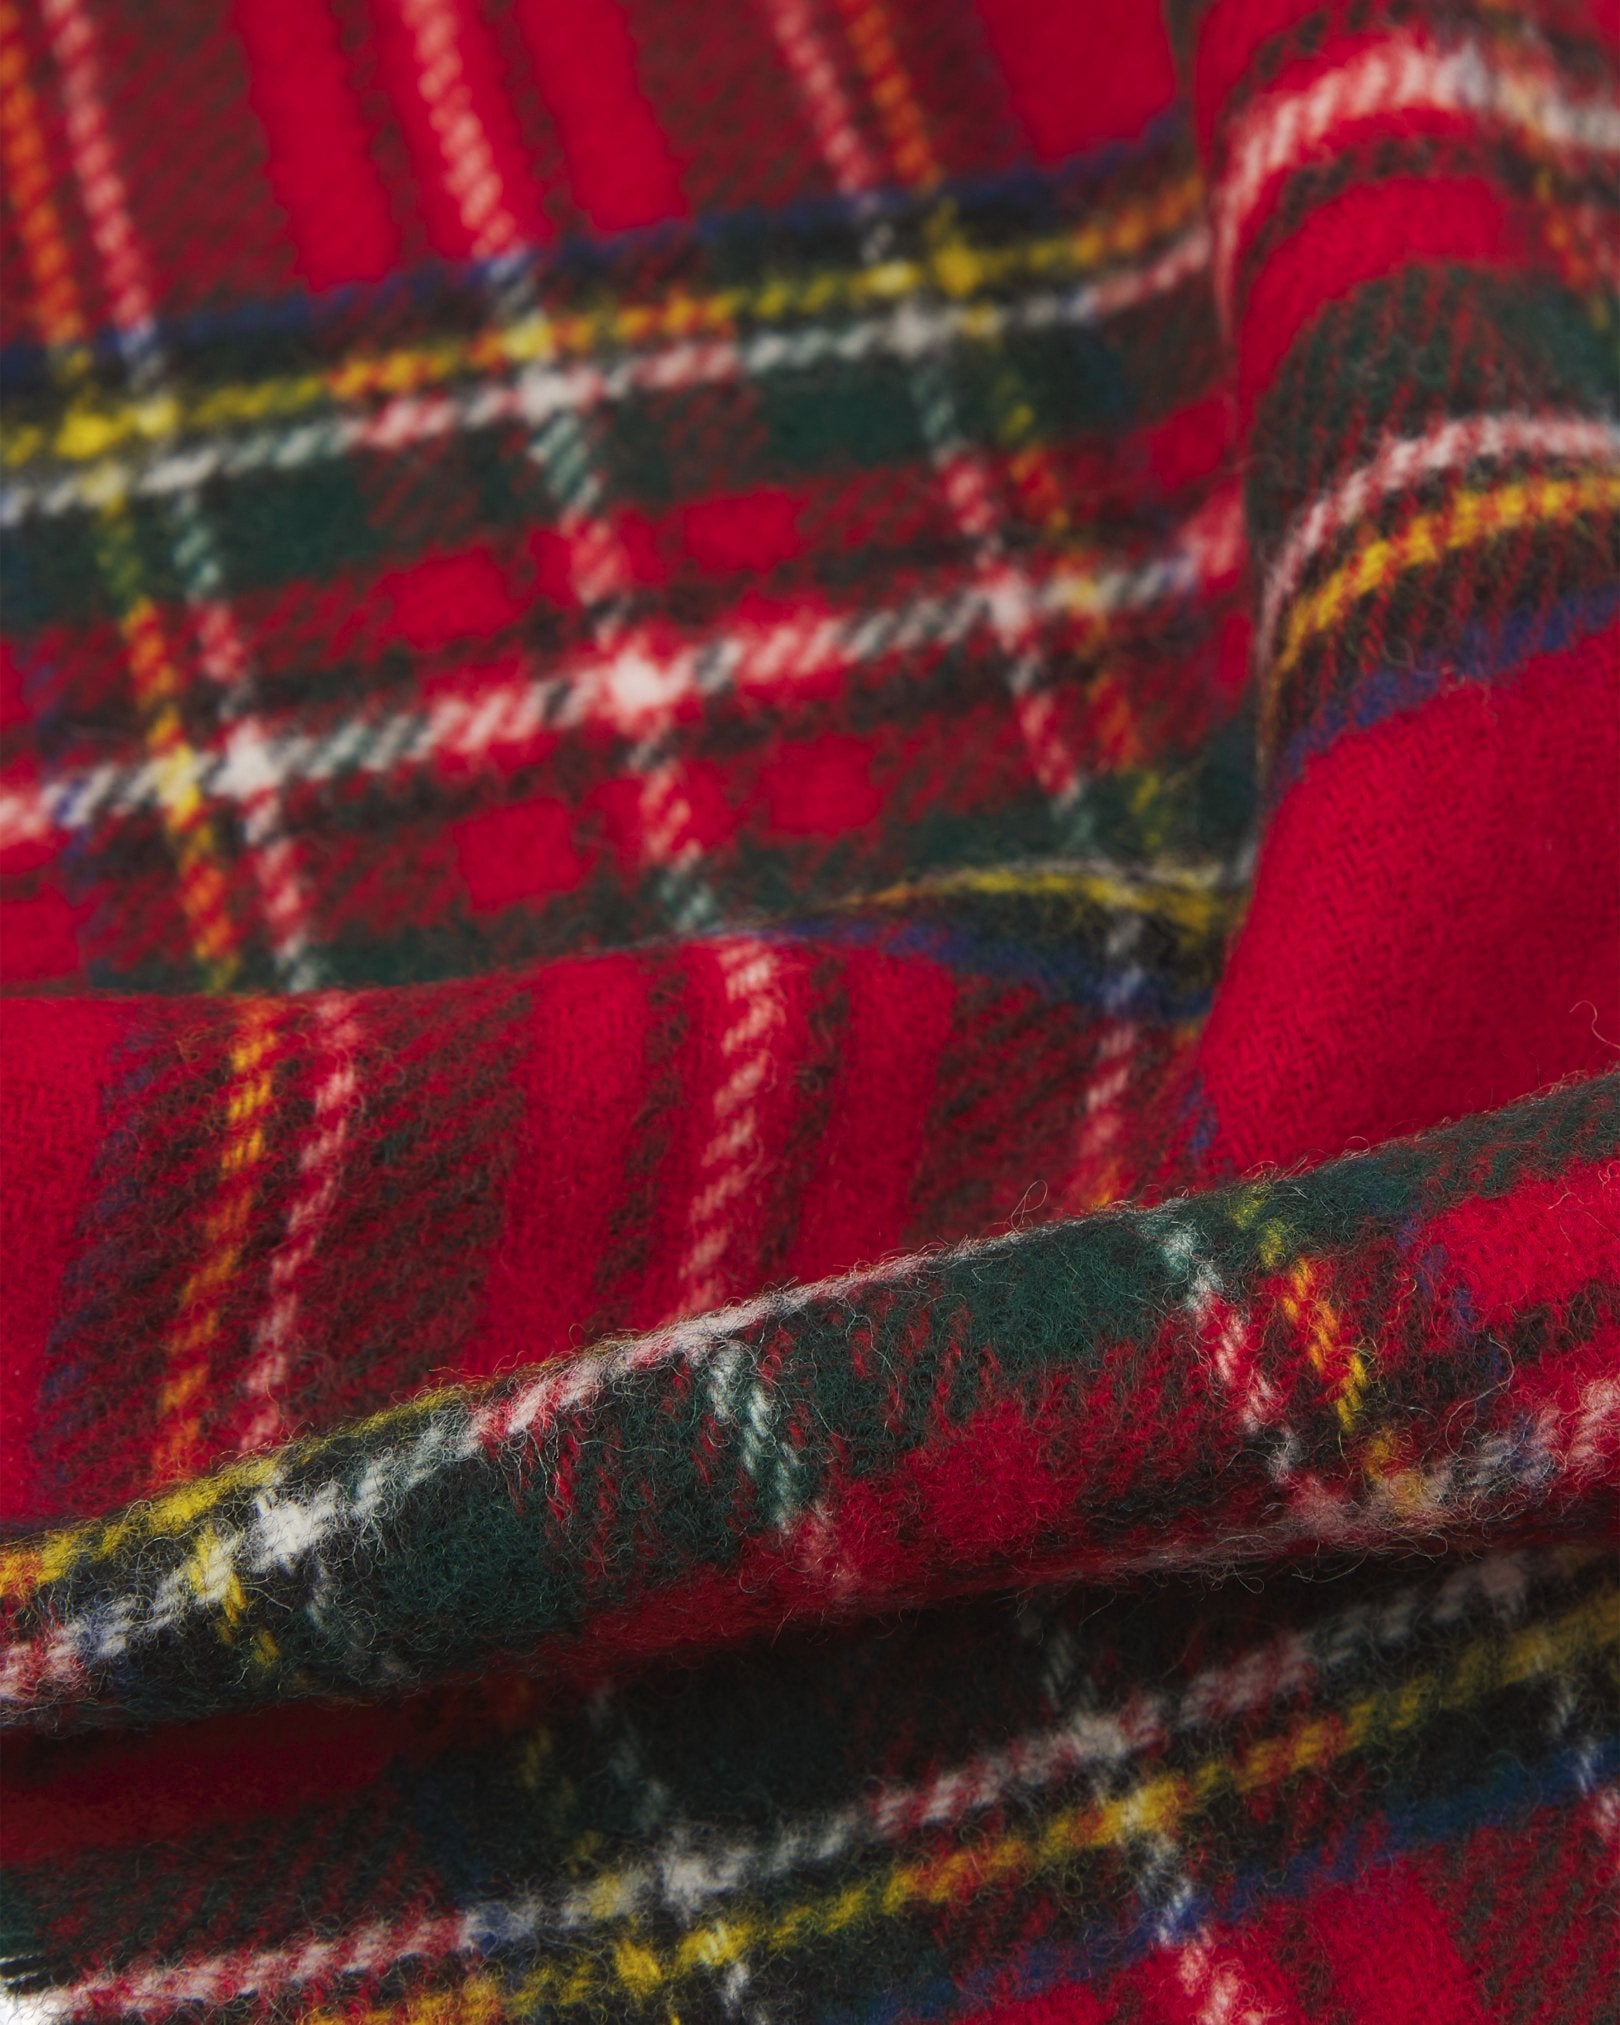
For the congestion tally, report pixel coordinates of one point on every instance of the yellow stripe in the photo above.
(1034, 479)
(1470, 517)
(1305, 1308)
(1193, 905)
(158, 688)
(899, 114)
(631, 1967)
(1158, 1807)
(29, 1565)
(28, 176)
(201, 1303)
(1033, 476)
(89, 433)
(155, 680)
(475, 2001)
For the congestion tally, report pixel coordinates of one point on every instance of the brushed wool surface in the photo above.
(809, 1105)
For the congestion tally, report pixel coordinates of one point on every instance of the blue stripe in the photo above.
(1512, 1794)
(1484, 654)
(1025, 186)
(1060, 972)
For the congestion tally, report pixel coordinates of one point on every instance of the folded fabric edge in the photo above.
(1412, 1347)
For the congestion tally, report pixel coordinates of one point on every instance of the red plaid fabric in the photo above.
(810, 816)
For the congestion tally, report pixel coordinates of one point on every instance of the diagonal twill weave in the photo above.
(608, 1919)
(1301, 1350)
(809, 1131)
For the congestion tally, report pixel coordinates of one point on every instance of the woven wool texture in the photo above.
(810, 1104)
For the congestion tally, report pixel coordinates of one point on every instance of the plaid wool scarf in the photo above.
(809, 1122)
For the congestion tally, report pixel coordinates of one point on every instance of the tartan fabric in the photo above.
(811, 1449)
(811, 832)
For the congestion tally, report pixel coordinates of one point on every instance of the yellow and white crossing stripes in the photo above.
(226, 1227)
(1402, 463)
(92, 432)
(1161, 1805)
(610, 1972)
(1473, 516)
(154, 677)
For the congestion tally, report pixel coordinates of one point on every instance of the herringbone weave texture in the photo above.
(810, 1116)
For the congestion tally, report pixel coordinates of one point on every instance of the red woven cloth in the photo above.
(809, 1122)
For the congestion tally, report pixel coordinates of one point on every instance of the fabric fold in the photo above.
(809, 1141)
(255, 1218)
(1409, 1349)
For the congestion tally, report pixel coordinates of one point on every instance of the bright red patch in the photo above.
(518, 852)
(446, 598)
(747, 531)
(821, 788)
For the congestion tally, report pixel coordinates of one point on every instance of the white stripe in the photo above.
(1283, 131)
(965, 476)
(328, 1521)
(470, 172)
(1403, 462)
(733, 1155)
(825, 102)
(223, 655)
(320, 1169)
(683, 1877)
(635, 689)
(535, 392)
